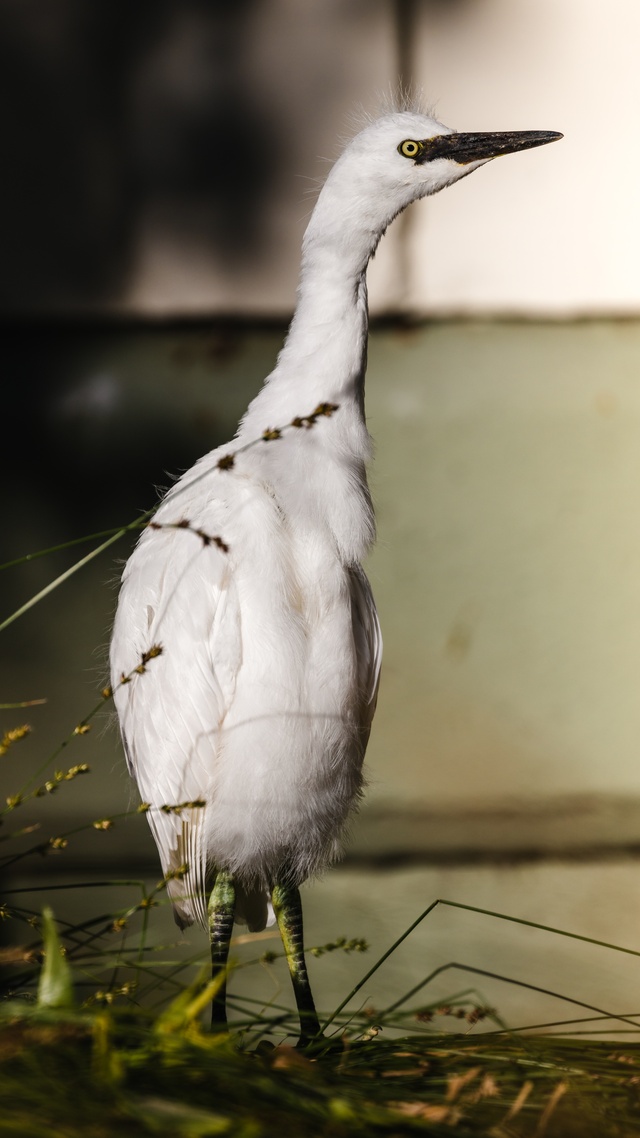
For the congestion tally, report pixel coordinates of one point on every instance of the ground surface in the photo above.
(100, 1075)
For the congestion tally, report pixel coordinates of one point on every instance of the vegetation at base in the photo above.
(106, 1072)
(102, 1070)
(102, 1034)
(89, 1045)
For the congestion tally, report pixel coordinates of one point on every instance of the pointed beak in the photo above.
(466, 148)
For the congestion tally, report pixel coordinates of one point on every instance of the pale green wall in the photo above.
(507, 570)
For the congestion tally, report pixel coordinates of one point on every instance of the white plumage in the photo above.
(262, 700)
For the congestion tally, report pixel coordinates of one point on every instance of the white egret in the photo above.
(259, 708)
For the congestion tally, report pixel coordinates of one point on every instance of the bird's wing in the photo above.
(177, 592)
(368, 641)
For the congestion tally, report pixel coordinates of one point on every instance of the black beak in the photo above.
(465, 148)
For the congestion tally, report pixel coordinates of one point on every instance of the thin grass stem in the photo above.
(69, 573)
(472, 909)
(378, 964)
(556, 1023)
(537, 925)
(507, 980)
(21, 703)
(74, 885)
(115, 530)
(138, 523)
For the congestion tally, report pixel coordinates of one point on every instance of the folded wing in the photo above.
(177, 592)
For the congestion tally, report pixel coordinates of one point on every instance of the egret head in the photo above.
(419, 155)
(404, 156)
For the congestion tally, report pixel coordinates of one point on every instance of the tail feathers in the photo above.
(188, 892)
(185, 912)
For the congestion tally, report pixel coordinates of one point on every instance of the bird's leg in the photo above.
(288, 910)
(222, 903)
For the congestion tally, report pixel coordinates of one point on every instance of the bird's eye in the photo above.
(409, 148)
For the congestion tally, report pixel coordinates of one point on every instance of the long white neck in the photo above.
(323, 480)
(324, 355)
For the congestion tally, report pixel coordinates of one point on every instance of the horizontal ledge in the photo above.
(147, 867)
(587, 828)
(485, 856)
(215, 320)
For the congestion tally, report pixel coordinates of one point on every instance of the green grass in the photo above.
(119, 1073)
(105, 1064)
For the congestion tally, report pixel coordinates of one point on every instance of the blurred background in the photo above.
(160, 161)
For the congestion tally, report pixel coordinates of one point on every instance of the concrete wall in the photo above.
(550, 233)
(508, 561)
(558, 234)
(161, 158)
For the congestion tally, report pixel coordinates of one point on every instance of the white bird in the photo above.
(259, 707)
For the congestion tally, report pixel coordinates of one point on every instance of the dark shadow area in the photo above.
(111, 112)
(100, 417)
(96, 419)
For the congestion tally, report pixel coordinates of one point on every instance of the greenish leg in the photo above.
(222, 903)
(288, 910)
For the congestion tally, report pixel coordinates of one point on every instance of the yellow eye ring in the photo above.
(409, 148)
